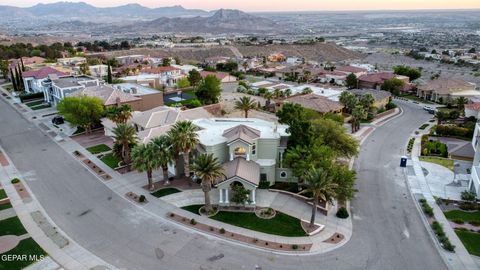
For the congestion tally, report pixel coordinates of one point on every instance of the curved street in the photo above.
(388, 232)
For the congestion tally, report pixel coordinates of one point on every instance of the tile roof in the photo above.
(316, 102)
(444, 86)
(42, 73)
(219, 75)
(473, 106)
(246, 170)
(241, 132)
(351, 69)
(377, 94)
(158, 70)
(376, 77)
(158, 116)
(108, 94)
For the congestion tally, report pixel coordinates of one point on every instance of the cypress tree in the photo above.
(20, 73)
(13, 80)
(18, 79)
(21, 61)
(109, 74)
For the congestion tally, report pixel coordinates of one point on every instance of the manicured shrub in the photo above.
(467, 206)
(342, 213)
(294, 247)
(141, 198)
(458, 221)
(454, 131)
(468, 196)
(475, 223)
(447, 245)
(15, 181)
(222, 230)
(25, 97)
(193, 221)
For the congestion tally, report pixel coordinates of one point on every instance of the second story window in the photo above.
(240, 151)
(254, 149)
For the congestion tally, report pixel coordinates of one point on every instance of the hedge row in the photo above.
(444, 130)
(25, 97)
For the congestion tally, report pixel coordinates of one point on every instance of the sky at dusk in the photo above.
(288, 5)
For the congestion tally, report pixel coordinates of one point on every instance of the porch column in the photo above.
(221, 195)
(225, 200)
(252, 196)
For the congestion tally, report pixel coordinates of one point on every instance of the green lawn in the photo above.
(463, 215)
(99, 148)
(281, 224)
(5, 206)
(424, 126)
(3, 195)
(470, 240)
(445, 162)
(39, 107)
(26, 247)
(12, 226)
(34, 103)
(165, 191)
(111, 160)
(194, 208)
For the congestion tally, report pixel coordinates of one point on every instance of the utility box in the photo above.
(403, 161)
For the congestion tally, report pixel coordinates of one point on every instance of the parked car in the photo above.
(58, 120)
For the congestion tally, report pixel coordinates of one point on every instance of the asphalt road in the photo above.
(388, 233)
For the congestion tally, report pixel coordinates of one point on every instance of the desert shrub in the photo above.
(445, 130)
(342, 213)
(468, 196)
(193, 221)
(222, 230)
(15, 181)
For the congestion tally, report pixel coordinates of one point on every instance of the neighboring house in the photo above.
(474, 183)
(221, 76)
(151, 80)
(167, 76)
(151, 98)
(446, 89)
(292, 60)
(472, 110)
(333, 77)
(357, 71)
(317, 103)
(185, 69)
(57, 88)
(376, 80)
(381, 97)
(330, 93)
(213, 61)
(130, 59)
(251, 151)
(33, 79)
(27, 61)
(98, 71)
(72, 61)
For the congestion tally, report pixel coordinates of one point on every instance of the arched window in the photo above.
(240, 151)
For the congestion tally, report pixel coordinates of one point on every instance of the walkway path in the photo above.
(419, 187)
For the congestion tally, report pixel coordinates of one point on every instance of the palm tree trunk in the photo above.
(246, 113)
(206, 190)
(186, 163)
(353, 126)
(165, 175)
(150, 181)
(314, 212)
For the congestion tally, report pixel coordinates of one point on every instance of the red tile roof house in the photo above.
(167, 76)
(376, 80)
(355, 70)
(34, 79)
(472, 109)
(222, 76)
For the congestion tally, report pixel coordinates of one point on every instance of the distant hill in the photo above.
(67, 11)
(221, 21)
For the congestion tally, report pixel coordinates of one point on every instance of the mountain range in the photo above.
(83, 17)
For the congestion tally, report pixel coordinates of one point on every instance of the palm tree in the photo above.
(185, 139)
(461, 101)
(125, 138)
(164, 152)
(209, 169)
(307, 90)
(245, 104)
(277, 93)
(288, 92)
(268, 96)
(358, 114)
(348, 100)
(119, 114)
(145, 159)
(320, 183)
(367, 101)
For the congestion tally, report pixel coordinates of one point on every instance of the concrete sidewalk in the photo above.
(419, 187)
(71, 256)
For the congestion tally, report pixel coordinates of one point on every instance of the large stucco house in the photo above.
(251, 151)
(446, 89)
(474, 183)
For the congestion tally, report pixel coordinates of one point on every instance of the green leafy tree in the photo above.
(209, 90)
(411, 73)
(125, 137)
(345, 180)
(351, 81)
(194, 77)
(81, 111)
(367, 101)
(303, 158)
(332, 134)
(177, 60)
(183, 83)
(119, 114)
(164, 153)
(208, 168)
(245, 104)
(299, 125)
(185, 139)
(145, 159)
(166, 62)
(461, 101)
(441, 116)
(239, 194)
(320, 183)
(393, 86)
(307, 90)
